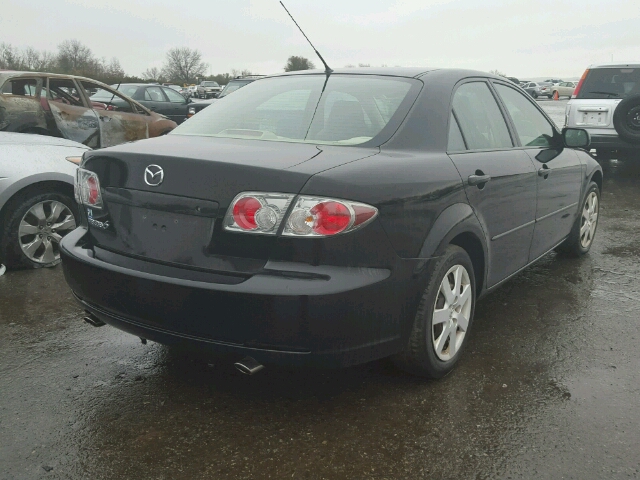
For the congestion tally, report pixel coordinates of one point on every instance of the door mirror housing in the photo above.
(576, 138)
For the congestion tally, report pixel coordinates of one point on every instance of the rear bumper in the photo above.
(613, 142)
(291, 314)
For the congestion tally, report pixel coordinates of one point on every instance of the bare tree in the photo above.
(76, 58)
(153, 74)
(183, 65)
(364, 65)
(295, 63)
(10, 57)
(498, 72)
(240, 73)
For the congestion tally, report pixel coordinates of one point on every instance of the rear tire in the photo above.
(441, 326)
(34, 224)
(584, 229)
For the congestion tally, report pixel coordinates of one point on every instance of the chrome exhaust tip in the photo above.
(94, 321)
(248, 366)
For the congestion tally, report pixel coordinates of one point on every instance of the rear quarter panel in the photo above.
(18, 113)
(410, 190)
(24, 165)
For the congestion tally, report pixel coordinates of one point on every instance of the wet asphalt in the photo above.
(549, 387)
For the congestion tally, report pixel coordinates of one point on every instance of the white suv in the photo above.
(606, 103)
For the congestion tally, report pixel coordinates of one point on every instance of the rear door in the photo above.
(72, 115)
(499, 180)
(120, 121)
(559, 171)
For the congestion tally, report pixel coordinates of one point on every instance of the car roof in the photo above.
(15, 73)
(10, 138)
(409, 72)
(615, 65)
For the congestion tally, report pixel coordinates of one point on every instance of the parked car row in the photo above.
(232, 86)
(75, 108)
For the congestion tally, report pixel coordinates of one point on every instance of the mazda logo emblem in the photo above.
(153, 175)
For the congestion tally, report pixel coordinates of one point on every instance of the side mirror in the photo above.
(189, 100)
(576, 138)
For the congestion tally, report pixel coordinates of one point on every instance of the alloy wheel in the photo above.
(42, 228)
(589, 220)
(451, 313)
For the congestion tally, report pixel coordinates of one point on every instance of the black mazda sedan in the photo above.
(330, 219)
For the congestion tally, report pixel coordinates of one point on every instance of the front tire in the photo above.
(34, 226)
(444, 317)
(584, 229)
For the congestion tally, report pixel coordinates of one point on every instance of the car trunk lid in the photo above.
(176, 217)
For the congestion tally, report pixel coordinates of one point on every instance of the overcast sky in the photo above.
(519, 38)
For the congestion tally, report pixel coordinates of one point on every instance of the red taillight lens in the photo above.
(244, 213)
(322, 217)
(579, 86)
(257, 212)
(93, 191)
(330, 218)
(87, 188)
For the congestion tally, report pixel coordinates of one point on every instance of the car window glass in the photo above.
(174, 97)
(107, 99)
(611, 83)
(128, 90)
(63, 90)
(456, 142)
(533, 128)
(154, 94)
(24, 87)
(340, 110)
(481, 121)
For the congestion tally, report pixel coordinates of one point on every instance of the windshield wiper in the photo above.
(606, 93)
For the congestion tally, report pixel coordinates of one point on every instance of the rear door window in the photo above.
(480, 118)
(456, 142)
(24, 87)
(531, 125)
(154, 94)
(610, 83)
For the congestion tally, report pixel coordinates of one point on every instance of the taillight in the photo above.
(254, 212)
(321, 217)
(579, 86)
(264, 213)
(87, 189)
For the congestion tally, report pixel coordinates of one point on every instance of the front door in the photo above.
(559, 171)
(119, 120)
(179, 106)
(499, 180)
(74, 119)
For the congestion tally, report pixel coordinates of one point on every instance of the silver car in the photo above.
(37, 206)
(606, 103)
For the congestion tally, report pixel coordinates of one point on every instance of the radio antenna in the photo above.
(326, 67)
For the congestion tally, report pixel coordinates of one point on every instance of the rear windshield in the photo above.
(339, 110)
(233, 86)
(610, 83)
(210, 84)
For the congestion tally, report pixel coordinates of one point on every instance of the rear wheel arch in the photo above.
(458, 225)
(34, 189)
(470, 243)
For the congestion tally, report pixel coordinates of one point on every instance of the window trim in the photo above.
(464, 140)
(507, 120)
(556, 132)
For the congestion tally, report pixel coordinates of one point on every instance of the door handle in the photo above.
(479, 179)
(544, 171)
